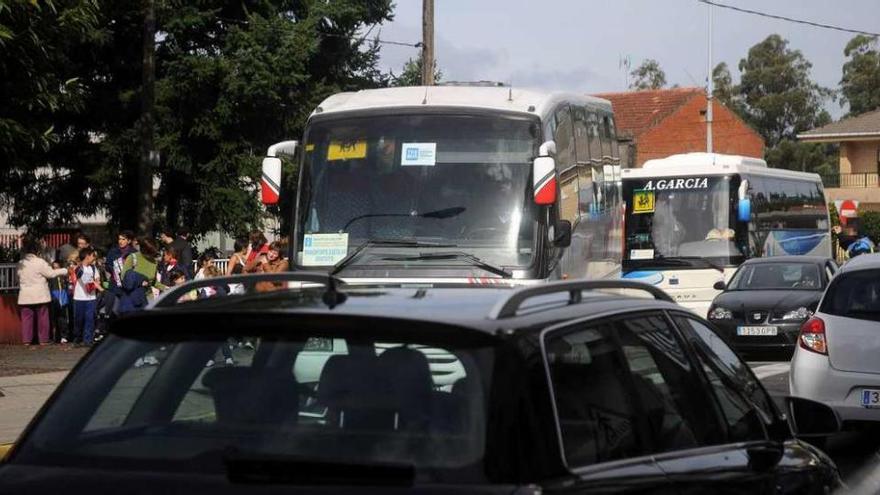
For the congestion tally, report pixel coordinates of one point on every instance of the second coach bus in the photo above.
(691, 219)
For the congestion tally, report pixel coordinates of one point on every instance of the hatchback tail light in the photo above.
(812, 336)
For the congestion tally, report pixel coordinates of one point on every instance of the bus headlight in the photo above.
(799, 314)
(720, 313)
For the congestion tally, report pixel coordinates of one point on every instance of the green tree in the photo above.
(41, 89)
(231, 78)
(649, 75)
(725, 91)
(411, 75)
(860, 85)
(780, 98)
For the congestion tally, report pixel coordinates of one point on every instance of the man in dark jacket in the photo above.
(115, 260)
(182, 249)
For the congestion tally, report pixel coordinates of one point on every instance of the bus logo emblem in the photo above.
(412, 153)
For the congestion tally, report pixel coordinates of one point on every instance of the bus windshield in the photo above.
(454, 180)
(682, 222)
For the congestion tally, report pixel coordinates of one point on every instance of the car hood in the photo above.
(779, 300)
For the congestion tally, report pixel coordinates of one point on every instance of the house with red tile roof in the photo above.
(658, 123)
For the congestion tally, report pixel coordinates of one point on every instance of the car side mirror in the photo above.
(809, 418)
(560, 234)
(719, 285)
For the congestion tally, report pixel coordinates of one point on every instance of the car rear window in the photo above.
(854, 295)
(311, 397)
(764, 276)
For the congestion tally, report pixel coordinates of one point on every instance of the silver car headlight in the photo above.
(720, 313)
(799, 314)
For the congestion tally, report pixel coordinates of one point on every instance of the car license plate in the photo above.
(871, 397)
(757, 331)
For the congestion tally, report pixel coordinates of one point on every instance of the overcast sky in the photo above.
(577, 45)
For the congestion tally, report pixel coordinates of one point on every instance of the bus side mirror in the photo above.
(544, 175)
(270, 182)
(744, 210)
(560, 234)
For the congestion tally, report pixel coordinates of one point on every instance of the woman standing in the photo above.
(239, 258)
(33, 296)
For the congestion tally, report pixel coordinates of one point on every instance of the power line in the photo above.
(788, 19)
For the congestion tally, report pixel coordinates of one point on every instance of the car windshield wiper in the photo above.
(261, 468)
(444, 213)
(455, 255)
(348, 260)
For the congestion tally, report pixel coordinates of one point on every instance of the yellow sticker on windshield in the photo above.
(643, 201)
(347, 151)
(310, 147)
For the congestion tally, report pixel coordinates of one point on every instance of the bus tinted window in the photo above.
(581, 135)
(564, 137)
(593, 128)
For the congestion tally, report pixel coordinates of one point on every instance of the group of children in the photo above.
(95, 288)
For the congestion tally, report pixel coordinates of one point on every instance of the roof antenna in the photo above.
(425, 99)
(510, 91)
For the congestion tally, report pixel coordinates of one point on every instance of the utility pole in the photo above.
(149, 156)
(709, 88)
(427, 42)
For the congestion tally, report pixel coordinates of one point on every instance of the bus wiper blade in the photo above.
(261, 468)
(451, 255)
(706, 261)
(444, 213)
(675, 261)
(345, 262)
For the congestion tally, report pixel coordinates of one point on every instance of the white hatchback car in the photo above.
(837, 360)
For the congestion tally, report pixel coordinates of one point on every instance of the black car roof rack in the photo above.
(507, 308)
(331, 297)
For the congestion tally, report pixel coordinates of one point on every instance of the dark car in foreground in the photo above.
(570, 387)
(767, 300)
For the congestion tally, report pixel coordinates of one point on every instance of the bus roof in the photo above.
(691, 164)
(472, 97)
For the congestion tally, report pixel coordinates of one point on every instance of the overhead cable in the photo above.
(788, 19)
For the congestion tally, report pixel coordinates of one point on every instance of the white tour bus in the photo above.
(455, 185)
(691, 219)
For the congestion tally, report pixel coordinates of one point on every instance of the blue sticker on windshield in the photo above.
(419, 154)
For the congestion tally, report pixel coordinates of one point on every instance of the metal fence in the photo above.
(9, 273)
(8, 276)
(852, 180)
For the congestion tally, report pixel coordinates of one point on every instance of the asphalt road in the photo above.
(857, 454)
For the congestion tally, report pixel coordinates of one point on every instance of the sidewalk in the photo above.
(22, 396)
(28, 375)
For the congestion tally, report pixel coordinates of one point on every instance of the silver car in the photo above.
(837, 360)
